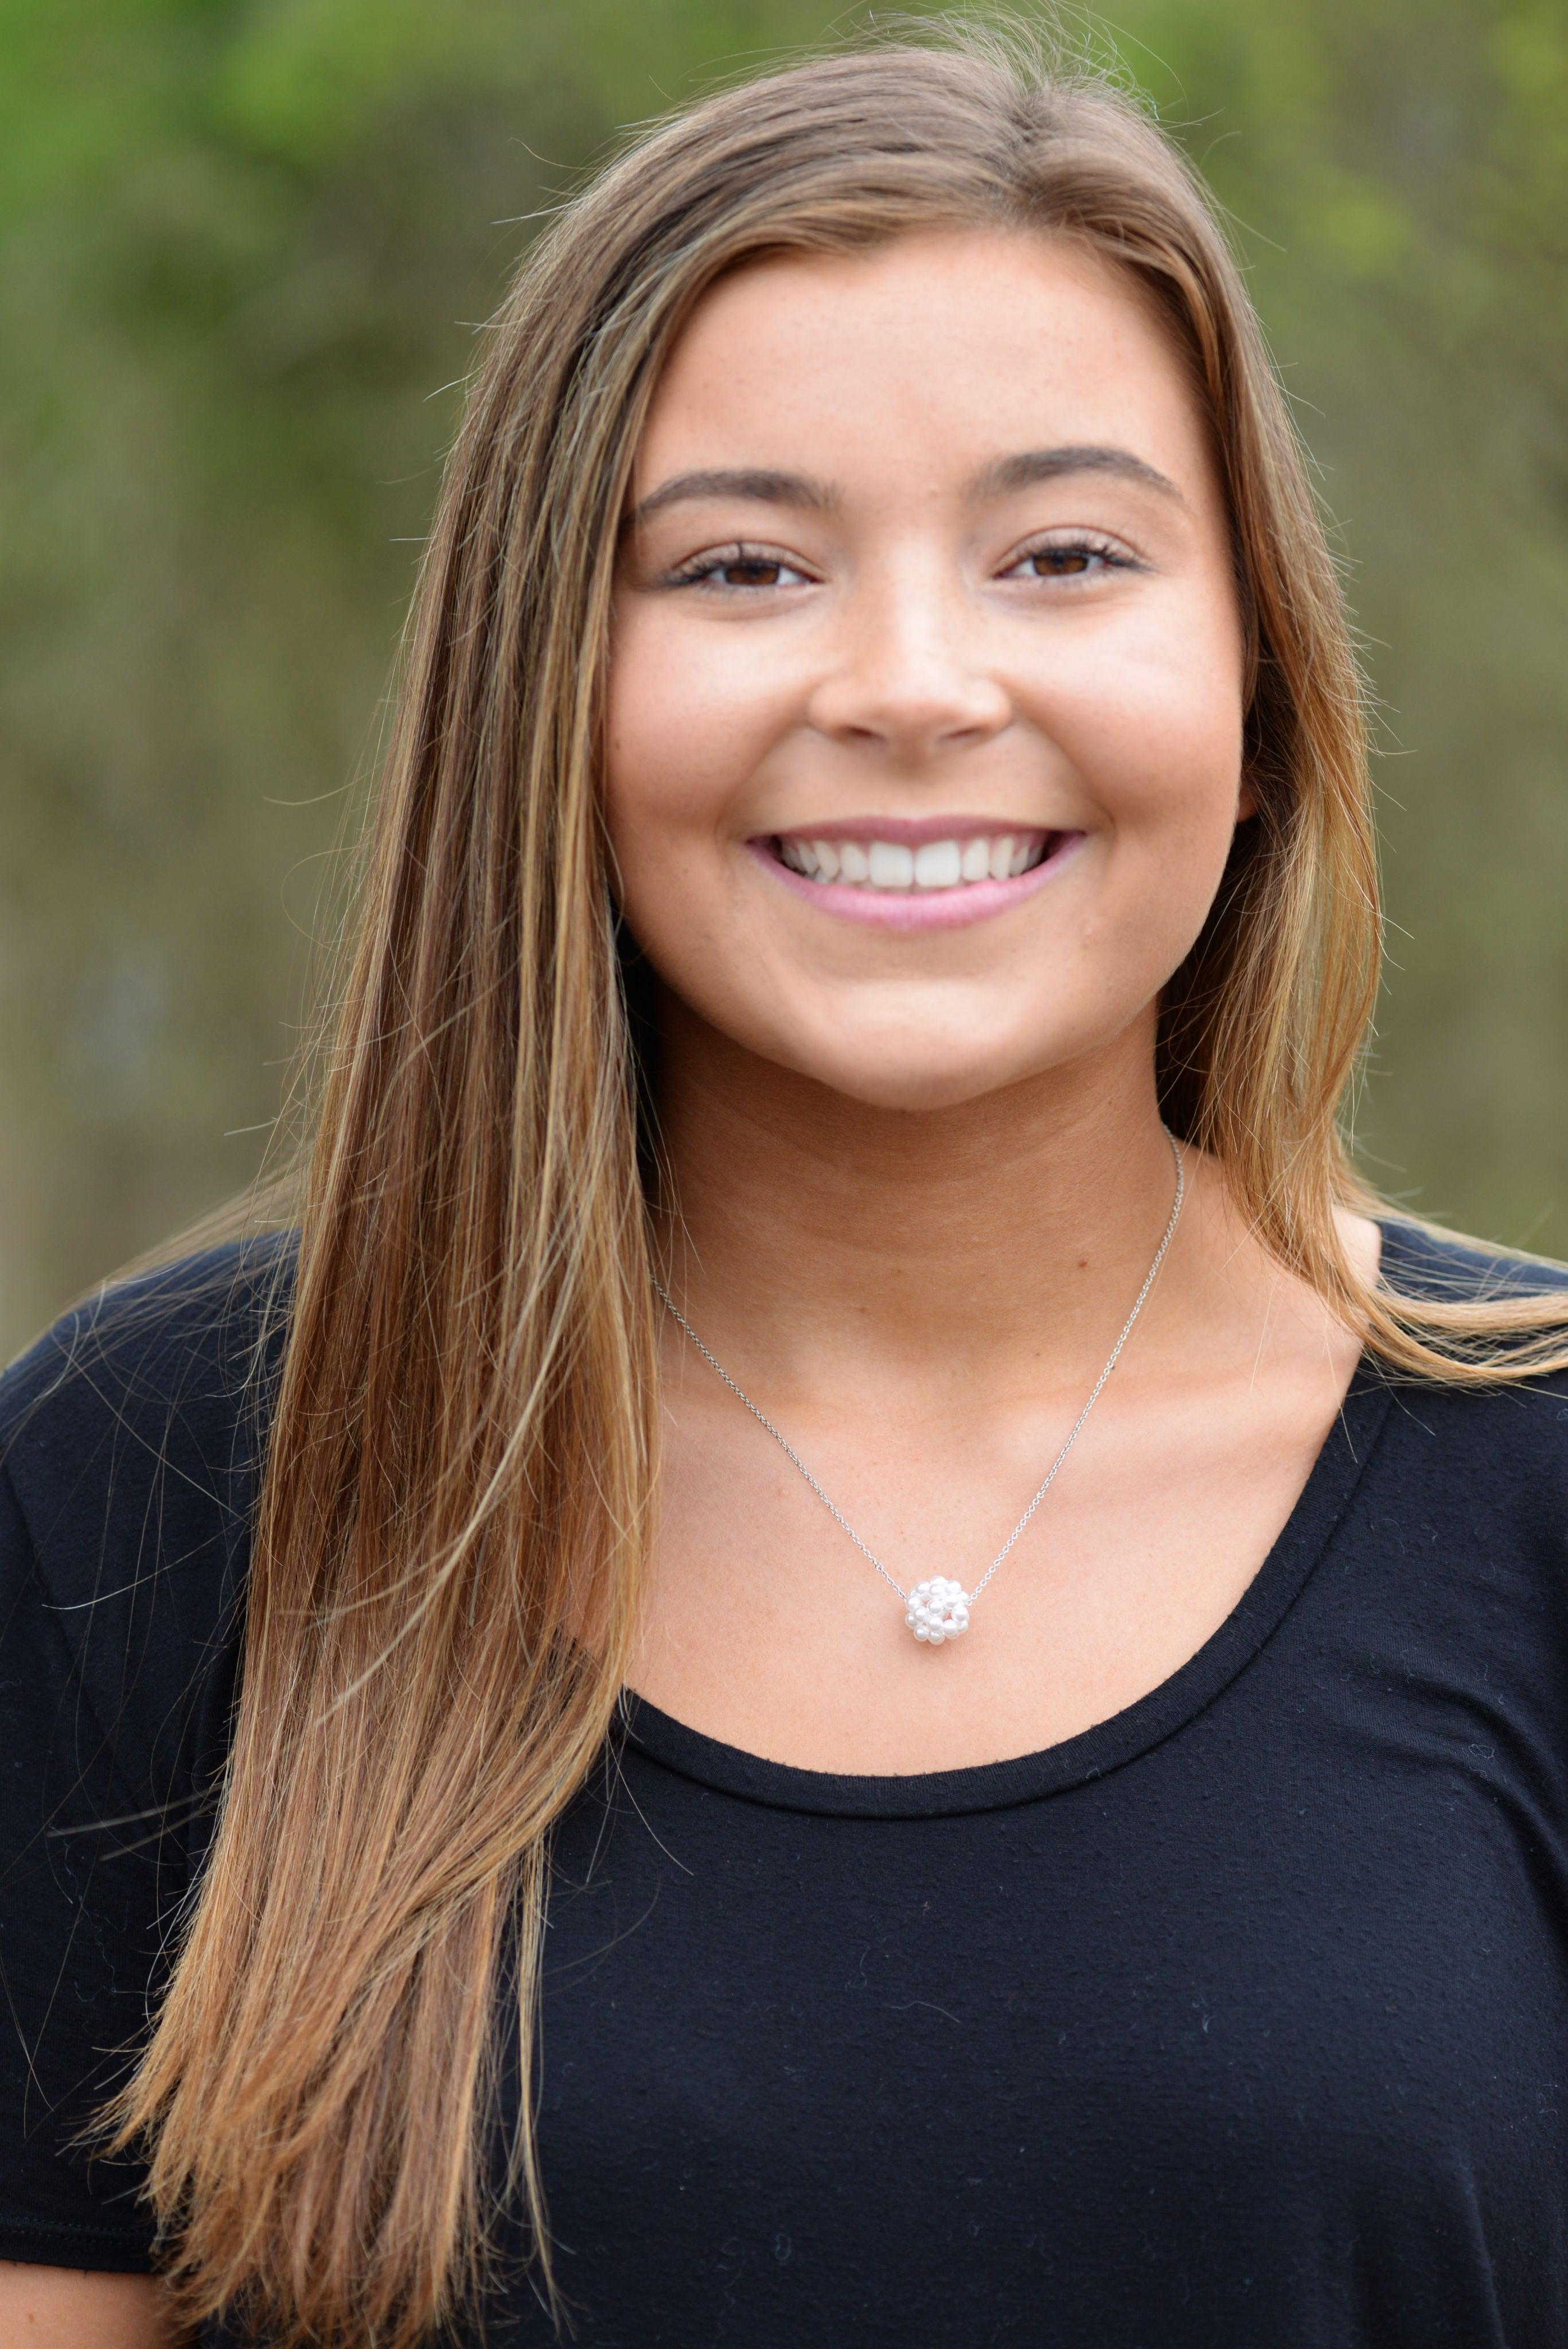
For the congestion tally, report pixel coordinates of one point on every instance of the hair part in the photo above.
(463, 1454)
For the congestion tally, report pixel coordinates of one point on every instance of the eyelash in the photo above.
(706, 569)
(1105, 552)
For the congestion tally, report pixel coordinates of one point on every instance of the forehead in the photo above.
(936, 350)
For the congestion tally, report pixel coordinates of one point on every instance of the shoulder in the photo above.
(131, 1439)
(1423, 1260)
(1497, 1456)
(165, 1376)
(165, 1340)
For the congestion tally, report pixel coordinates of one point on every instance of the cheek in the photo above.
(1154, 728)
(686, 725)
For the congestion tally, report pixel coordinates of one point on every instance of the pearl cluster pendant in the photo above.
(937, 1611)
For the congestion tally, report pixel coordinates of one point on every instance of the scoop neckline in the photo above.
(1110, 1744)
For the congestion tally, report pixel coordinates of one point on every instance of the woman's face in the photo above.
(925, 710)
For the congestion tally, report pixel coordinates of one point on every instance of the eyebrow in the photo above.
(767, 487)
(1033, 465)
(761, 483)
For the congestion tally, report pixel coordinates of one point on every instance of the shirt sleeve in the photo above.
(127, 1453)
(79, 1940)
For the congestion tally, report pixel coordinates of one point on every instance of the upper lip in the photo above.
(910, 831)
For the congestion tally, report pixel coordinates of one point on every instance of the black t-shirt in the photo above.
(1239, 2022)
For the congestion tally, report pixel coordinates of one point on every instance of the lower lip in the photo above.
(923, 910)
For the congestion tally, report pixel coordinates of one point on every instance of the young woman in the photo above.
(836, 1645)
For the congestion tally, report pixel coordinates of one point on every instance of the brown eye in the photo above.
(740, 567)
(1071, 559)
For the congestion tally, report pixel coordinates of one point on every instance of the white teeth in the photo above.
(892, 867)
(938, 865)
(935, 864)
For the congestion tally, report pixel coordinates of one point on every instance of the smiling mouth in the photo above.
(899, 867)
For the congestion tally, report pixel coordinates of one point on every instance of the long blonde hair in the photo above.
(462, 1459)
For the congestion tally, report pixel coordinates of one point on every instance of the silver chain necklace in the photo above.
(937, 1611)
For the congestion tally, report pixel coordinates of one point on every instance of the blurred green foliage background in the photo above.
(245, 245)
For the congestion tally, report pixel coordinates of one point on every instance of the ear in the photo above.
(1246, 802)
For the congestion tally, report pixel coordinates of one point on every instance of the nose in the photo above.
(909, 673)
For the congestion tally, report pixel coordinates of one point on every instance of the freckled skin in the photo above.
(901, 665)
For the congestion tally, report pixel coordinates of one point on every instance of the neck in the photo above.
(1003, 1236)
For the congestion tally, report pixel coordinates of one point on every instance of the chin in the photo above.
(918, 1081)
